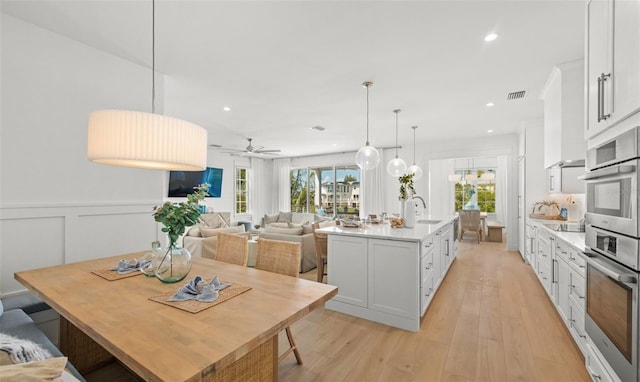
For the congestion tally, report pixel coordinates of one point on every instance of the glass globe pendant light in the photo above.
(396, 166)
(415, 169)
(367, 158)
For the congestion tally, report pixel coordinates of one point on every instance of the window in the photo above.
(241, 190)
(476, 190)
(332, 191)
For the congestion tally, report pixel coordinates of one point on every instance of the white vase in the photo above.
(410, 213)
(402, 204)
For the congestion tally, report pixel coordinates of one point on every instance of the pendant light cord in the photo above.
(367, 143)
(414, 144)
(396, 111)
(153, 56)
(367, 85)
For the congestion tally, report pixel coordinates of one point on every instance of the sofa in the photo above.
(194, 237)
(16, 321)
(296, 227)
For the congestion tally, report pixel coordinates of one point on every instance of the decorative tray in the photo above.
(547, 217)
(349, 224)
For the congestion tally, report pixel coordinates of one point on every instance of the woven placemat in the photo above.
(110, 275)
(194, 306)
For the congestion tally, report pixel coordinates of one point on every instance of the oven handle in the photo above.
(608, 172)
(594, 262)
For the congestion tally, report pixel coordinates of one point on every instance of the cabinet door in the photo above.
(394, 277)
(426, 293)
(563, 280)
(437, 259)
(554, 180)
(626, 60)
(445, 258)
(576, 324)
(599, 15)
(347, 268)
(578, 290)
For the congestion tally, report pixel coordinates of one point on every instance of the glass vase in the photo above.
(174, 265)
(150, 260)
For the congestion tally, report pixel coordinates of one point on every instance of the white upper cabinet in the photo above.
(612, 63)
(563, 96)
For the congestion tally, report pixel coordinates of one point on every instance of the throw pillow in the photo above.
(279, 225)
(285, 216)
(214, 220)
(286, 231)
(268, 219)
(306, 227)
(47, 370)
(211, 232)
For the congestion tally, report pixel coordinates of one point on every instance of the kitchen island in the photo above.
(389, 275)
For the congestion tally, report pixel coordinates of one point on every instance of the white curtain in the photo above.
(257, 184)
(502, 180)
(282, 190)
(372, 189)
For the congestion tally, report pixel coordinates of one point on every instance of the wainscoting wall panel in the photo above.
(40, 236)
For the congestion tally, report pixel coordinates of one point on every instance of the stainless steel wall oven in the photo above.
(612, 241)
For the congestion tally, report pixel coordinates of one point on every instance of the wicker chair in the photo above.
(470, 221)
(321, 247)
(233, 249)
(280, 257)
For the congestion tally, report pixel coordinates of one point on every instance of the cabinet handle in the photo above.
(429, 266)
(599, 98)
(595, 376)
(551, 182)
(582, 336)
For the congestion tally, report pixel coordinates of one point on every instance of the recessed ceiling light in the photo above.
(490, 104)
(489, 131)
(490, 37)
(226, 108)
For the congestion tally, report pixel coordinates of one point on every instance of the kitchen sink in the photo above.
(427, 221)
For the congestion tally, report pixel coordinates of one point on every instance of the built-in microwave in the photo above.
(619, 149)
(612, 201)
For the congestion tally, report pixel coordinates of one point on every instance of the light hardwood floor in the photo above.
(490, 321)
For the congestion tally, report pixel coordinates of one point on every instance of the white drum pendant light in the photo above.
(146, 140)
(367, 158)
(415, 169)
(396, 166)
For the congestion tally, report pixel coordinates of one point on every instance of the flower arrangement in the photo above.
(539, 205)
(175, 217)
(406, 185)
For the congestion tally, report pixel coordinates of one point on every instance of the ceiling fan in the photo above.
(249, 150)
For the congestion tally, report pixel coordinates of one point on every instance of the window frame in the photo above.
(237, 190)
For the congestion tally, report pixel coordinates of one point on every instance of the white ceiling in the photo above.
(283, 67)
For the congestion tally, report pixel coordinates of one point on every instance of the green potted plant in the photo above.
(176, 217)
(406, 185)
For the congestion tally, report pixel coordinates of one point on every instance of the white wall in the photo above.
(55, 205)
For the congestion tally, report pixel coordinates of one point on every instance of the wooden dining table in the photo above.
(233, 340)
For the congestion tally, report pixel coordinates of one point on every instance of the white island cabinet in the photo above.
(385, 274)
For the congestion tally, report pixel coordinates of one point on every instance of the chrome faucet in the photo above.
(424, 204)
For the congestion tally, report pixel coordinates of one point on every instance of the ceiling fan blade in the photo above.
(266, 151)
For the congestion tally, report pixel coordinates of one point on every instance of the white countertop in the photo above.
(574, 239)
(384, 230)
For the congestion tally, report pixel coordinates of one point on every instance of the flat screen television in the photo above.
(181, 183)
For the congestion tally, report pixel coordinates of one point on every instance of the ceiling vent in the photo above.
(516, 95)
